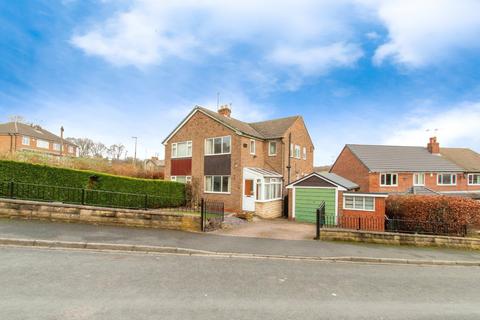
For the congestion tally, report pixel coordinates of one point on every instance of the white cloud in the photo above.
(318, 60)
(427, 31)
(457, 127)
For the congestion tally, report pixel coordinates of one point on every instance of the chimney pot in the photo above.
(225, 111)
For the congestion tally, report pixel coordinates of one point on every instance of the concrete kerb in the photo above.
(111, 247)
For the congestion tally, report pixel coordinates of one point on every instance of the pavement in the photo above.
(85, 233)
(45, 284)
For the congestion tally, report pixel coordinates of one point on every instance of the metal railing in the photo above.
(212, 215)
(381, 224)
(90, 197)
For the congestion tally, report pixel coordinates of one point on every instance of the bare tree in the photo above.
(116, 151)
(98, 150)
(85, 146)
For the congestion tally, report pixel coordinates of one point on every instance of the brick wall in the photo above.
(269, 210)
(17, 145)
(85, 214)
(5, 144)
(369, 220)
(348, 166)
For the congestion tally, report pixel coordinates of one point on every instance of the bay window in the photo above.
(182, 149)
(218, 145)
(272, 189)
(217, 184)
(388, 179)
(474, 179)
(446, 179)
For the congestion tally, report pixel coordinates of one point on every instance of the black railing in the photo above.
(212, 215)
(90, 197)
(320, 219)
(380, 224)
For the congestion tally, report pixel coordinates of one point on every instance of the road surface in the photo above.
(59, 284)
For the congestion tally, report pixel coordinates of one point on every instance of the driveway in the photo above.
(280, 229)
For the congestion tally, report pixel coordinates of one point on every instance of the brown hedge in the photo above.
(455, 212)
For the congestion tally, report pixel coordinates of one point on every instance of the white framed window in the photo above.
(304, 153)
(359, 203)
(474, 179)
(272, 148)
(291, 150)
(43, 144)
(446, 179)
(181, 179)
(182, 149)
(388, 179)
(252, 147)
(272, 189)
(25, 141)
(419, 179)
(297, 151)
(217, 184)
(56, 146)
(71, 149)
(218, 145)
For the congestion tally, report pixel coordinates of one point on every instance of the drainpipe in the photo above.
(289, 156)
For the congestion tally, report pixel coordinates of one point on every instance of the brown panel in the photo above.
(249, 188)
(181, 167)
(218, 165)
(314, 181)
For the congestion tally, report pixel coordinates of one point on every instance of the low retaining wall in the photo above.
(97, 215)
(400, 239)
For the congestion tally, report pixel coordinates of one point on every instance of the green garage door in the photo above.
(307, 201)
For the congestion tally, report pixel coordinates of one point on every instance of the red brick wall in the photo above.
(364, 220)
(348, 166)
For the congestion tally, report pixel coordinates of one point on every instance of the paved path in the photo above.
(41, 284)
(43, 230)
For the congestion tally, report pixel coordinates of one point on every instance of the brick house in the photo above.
(17, 136)
(244, 165)
(411, 170)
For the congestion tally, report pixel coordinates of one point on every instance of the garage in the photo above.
(307, 194)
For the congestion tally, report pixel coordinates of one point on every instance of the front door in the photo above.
(248, 195)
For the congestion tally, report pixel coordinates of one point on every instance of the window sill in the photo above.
(389, 186)
(261, 201)
(359, 209)
(217, 154)
(213, 192)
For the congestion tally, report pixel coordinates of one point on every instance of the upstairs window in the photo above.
(418, 179)
(252, 147)
(26, 141)
(43, 144)
(446, 179)
(219, 145)
(389, 179)
(182, 149)
(474, 179)
(297, 151)
(272, 148)
(304, 153)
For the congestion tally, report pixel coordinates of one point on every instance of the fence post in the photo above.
(317, 237)
(202, 215)
(11, 189)
(146, 202)
(83, 197)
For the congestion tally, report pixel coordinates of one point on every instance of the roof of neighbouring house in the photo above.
(420, 190)
(29, 130)
(270, 129)
(464, 157)
(383, 158)
(156, 162)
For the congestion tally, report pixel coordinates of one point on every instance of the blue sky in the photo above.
(358, 71)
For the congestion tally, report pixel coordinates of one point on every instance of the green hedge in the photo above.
(46, 175)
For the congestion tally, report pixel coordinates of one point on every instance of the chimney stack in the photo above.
(433, 146)
(225, 110)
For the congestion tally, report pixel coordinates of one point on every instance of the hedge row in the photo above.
(45, 175)
(453, 213)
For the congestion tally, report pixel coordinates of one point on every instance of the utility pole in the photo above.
(135, 154)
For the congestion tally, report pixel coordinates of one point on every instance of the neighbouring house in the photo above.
(18, 136)
(410, 169)
(245, 165)
(155, 165)
(343, 205)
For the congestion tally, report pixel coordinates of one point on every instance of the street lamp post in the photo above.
(135, 153)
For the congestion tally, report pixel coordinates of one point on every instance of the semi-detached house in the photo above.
(245, 165)
(411, 169)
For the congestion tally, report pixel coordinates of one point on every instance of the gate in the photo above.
(212, 215)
